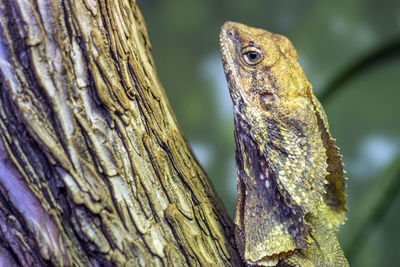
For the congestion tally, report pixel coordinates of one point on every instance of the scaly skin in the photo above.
(290, 173)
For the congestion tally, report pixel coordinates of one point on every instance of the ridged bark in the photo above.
(94, 170)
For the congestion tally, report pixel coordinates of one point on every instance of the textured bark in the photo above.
(93, 167)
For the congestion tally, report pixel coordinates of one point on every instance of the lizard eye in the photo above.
(252, 55)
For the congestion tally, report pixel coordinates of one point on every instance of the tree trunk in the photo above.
(94, 170)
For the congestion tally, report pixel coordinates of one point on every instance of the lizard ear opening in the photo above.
(266, 100)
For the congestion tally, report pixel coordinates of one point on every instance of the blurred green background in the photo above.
(351, 54)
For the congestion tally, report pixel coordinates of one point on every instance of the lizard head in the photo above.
(262, 71)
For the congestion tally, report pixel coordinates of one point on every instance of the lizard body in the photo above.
(290, 173)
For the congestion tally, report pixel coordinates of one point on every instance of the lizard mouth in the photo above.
(228, 54)
(227, 35)
(229, 43)
(224, 36)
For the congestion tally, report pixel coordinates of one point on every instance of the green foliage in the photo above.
(350, 51)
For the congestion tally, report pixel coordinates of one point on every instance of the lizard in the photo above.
(290, 174)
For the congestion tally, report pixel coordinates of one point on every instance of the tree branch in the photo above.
(94, 169)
